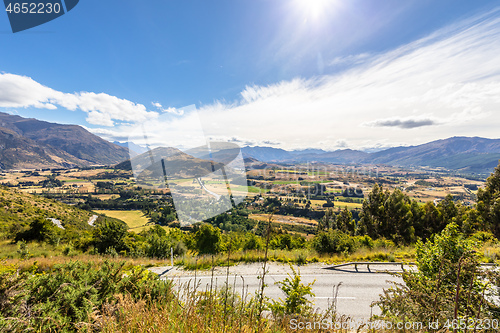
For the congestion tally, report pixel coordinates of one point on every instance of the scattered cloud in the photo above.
(174, 111)
(341, 144)
(350, 59)
(407, 123)
(177, 112)
(18, 91)
(271, 143)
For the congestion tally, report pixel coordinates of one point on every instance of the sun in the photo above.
(314, 9)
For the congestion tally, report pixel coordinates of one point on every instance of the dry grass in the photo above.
(48, 262)
(298, 256)
(284, 219)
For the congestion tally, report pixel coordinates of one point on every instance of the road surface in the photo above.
(357, 290)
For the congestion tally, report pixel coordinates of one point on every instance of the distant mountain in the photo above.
(32, 143)
(339, 156)
(472, 154)
(267, 154)
(468, 154)
(307, 151)
(133, 148)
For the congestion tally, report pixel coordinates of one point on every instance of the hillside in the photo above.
(175, 163)
(33, 143)
(18, 152)
(17, 209)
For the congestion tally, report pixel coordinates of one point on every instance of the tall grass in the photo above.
(191, 261)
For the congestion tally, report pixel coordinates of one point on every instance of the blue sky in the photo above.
(293, 74)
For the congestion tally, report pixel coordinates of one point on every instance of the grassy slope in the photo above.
(18, 209)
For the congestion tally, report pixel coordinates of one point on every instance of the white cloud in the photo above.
(349, 59)
(102, 109)
(177, 112)
(174, 111)
(450, 78)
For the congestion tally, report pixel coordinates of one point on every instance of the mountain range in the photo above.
(466, 154)
(28, 143)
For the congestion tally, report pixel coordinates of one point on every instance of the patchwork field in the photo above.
(284, 219)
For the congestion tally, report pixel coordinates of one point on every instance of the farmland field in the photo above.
(135, 219)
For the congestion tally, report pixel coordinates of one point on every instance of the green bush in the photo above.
(365, 241)
(70, 294)
(39, 229)
(110, 233)
(208, 239)
(383, 243)
(253, 242)
(448, 285)
(483, 237)
(334, 241)
(295, 302)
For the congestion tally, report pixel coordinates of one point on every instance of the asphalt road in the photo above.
(356, 291)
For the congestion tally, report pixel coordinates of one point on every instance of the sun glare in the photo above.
(314, 9)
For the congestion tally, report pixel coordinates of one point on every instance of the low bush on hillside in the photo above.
(68, 297)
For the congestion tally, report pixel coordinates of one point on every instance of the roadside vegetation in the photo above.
(106, 296)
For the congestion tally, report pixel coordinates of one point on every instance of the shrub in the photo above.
(295, 302)
(384, 243)
(110, 233)
(483, 237)
(39, 229)
(449, 284)
(71, 294)
(253, 242)
(365, 241)
(334, 241)
(208, 239)
(23, 250)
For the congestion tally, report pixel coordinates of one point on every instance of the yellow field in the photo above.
(135, 219)
(106, 196)
(349, 205)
